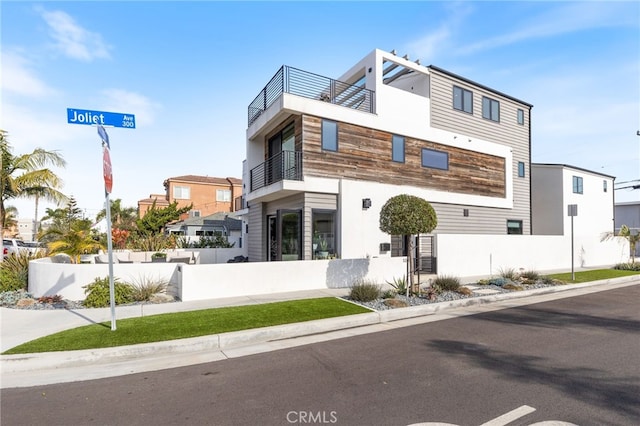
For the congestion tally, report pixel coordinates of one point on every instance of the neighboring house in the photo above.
(145, 204)
(208, 195)
(223, 224)
(324, 155)
(628, 213)
(556, 186)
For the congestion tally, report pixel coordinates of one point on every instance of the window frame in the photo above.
(463, 105)
(432, 165)
(178, 191)
(223, 199)
(489, 107)
(519, 227)
(397, 139)
(520, 117)
(578, 184)
(604, 185)
(521, 169)
(324, 133)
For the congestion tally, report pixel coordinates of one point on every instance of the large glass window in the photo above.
(397, 148)
(490, 109)
(577, 185)
(284, 235)
(329, 135)
(435, 159)
(324, 234)
(514, 227)
(462, 99)
(181, 192)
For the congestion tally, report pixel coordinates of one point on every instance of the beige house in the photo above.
(208, 195)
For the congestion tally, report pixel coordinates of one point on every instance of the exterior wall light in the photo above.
(366, 203)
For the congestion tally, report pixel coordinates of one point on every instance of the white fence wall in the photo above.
(484, 255)
(241, 279)
(463, 256)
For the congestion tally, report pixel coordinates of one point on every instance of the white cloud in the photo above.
(19, 78)
(143, 108)
(73, 40)
(567, 18)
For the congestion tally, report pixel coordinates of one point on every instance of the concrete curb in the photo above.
(33, 363)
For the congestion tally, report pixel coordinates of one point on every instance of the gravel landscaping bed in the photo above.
(445, 296)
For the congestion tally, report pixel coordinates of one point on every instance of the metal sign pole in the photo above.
(112, 295)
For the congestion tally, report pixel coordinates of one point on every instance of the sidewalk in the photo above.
(20, 326)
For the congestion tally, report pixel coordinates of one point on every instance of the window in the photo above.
(329, 135)
(577, 185)
(462, 99)
(435, 159)
(223, 195)
(181, 192)
(323, 242)
(397, 149)
(514, 227)
(520, 116)
(490, 109)
(520, 169)
(604, 185)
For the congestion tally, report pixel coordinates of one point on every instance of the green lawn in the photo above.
(156, 328)
(594, 275)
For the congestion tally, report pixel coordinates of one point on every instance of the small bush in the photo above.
(364, 292)
(530, 276)
(628, 266)
(14, 271)
(509, 273)
(98, 293)
(547, 280)
(399, 285)
(389, 294)
(145, 287)
(446, 283)
(498, 281)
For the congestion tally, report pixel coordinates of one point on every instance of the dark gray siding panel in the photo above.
(257, 234)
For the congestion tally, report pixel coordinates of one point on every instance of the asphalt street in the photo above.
(574, 360)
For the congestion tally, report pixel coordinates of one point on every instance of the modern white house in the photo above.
(323, 156)
(554, 187)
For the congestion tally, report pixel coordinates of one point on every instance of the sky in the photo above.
(189, 70)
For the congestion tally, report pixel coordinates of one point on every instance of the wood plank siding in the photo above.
(365, 154)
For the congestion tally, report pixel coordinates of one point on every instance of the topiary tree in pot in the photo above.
(408, 215)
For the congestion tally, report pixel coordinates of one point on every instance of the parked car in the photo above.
(14, 246)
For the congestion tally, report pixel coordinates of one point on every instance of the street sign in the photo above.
(106, 170)
(92, 118)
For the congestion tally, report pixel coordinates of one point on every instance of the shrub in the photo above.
(399, 285)
(628, 266)
(98, 293)
(14, 271)
(498, 281)
(530, 276)
(389, 294)
(364, 292)
(548, 280)
(446, 283)
(509, 273)
(143, 288)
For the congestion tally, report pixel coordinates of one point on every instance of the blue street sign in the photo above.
(91, 118)
(103, 135)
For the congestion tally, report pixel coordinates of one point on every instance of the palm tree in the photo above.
(121, 217)
(9, 220)
(628, 235)
(27, 175)
(75, 242)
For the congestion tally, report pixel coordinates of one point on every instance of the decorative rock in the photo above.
(161, 298)
(464, 290)
(23, 303)
(395, 303)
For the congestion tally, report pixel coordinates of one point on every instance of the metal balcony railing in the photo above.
(286, 165)
(311, 86)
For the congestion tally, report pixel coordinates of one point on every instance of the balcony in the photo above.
(239, 203)
(286, 165)
(312, 86)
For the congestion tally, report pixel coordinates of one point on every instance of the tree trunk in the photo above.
(34, 232)
(411, 263)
